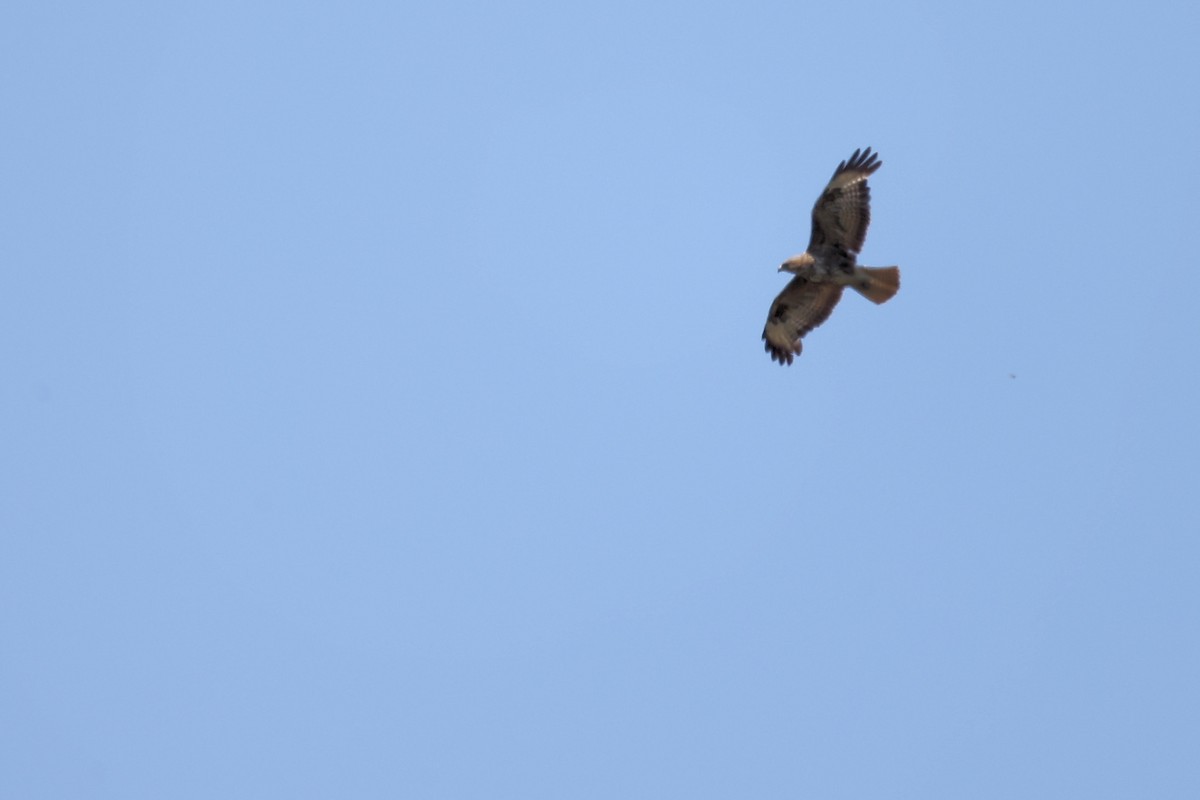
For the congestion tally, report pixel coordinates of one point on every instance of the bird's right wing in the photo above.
(800, 307)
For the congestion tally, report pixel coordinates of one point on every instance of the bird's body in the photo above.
(839, 227)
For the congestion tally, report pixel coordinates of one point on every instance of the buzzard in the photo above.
(839, 226)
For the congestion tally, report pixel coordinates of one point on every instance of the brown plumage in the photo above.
(840, 219)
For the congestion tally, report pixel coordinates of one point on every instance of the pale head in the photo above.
(796, 263)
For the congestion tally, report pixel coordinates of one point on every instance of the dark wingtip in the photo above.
(784, 357)
(860, 160)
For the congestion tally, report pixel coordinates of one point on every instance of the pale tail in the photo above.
(877, 284)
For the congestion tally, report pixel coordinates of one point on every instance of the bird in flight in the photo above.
(839, 226)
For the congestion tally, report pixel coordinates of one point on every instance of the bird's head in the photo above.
(796, 263)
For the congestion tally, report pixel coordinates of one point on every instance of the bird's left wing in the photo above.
(800, 307)
(843, 211)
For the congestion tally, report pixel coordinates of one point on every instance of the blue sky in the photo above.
(385, 413)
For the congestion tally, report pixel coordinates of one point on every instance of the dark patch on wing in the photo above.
(842, 213)
(800, 307)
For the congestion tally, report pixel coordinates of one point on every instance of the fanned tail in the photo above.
(877, 284)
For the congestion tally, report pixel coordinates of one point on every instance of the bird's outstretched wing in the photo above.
(800, 307)
(843, 211)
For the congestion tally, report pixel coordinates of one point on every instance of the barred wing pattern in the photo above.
(843, 211)
(800, 307)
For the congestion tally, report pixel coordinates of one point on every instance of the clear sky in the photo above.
(384, 413)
